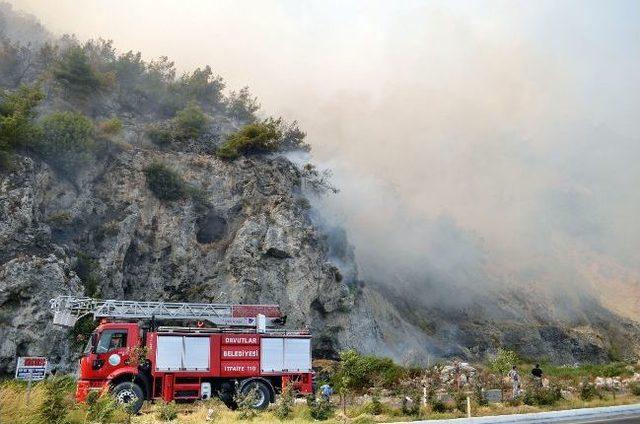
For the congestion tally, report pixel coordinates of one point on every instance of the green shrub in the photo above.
(160, 135)
(164, 182)
(167, 411)
(66, 141)
(81, 332)
(614, 369)
(110, 127)
(460, 400)
(190, 122)
(242, 106)
(76, 74)
(542, 395)
(503, 361)
(589, 391)
(284, 407)
(252, 138)
(375, 407)
(15, 61)
(478, 396)
(245, 402)
(319, 408)
(634, 388)
(16, 120)
(292, 137)
(87, 270)
(57, 400)
(360, 371)
(513, 402)
(436, 406)
(203, 86)
(103, 409)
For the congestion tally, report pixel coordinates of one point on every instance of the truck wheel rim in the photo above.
(259, 398)
(126, 396)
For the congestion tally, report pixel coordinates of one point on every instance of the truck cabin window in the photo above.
(90, 344)
(111, 340)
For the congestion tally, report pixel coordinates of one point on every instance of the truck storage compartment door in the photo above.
(169, 353)
(182, 353)
(196, 353)
(297, 355)
(271, 354)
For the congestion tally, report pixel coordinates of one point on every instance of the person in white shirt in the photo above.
(515, 381)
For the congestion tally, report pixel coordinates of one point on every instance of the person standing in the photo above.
(536, 372)
(326, 391)
(515, 381)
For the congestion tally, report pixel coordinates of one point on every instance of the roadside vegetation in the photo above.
(368, 389)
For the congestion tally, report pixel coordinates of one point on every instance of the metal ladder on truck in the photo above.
(68, 309)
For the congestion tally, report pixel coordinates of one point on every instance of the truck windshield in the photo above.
(111, 340)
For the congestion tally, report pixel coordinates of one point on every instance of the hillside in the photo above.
(122, 179)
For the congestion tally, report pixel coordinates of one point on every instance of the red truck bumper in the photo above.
(85, 386)
(82, 390)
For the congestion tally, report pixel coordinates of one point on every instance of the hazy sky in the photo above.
(515, 121)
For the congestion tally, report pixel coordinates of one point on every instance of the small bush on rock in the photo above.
(16, 120)
(66, 141)
(190, 122)
(110, 127)
(258, 137)
(164, 182)
(160, 135)
(242, 105)
(76, 74)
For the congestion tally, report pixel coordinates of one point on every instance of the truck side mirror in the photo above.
(94, 342)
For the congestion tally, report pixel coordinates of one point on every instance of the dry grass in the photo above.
(13, 402)
(198, 413)
(15, 410)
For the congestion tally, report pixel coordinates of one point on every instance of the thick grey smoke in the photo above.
(476, 144)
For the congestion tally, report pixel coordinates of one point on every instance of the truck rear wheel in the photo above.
(130, 395)
(262, 393)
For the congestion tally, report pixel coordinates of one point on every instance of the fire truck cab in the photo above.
(137, 363)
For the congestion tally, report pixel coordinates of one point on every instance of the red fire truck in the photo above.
(231, 349)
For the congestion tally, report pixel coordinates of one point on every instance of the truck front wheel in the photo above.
(130, 395)
(261, 393)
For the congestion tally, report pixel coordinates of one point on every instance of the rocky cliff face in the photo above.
(252, 242)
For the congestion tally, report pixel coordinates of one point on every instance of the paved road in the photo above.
(622, 414)
(624, 420)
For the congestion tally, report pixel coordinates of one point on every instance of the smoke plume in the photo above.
(477, 146)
